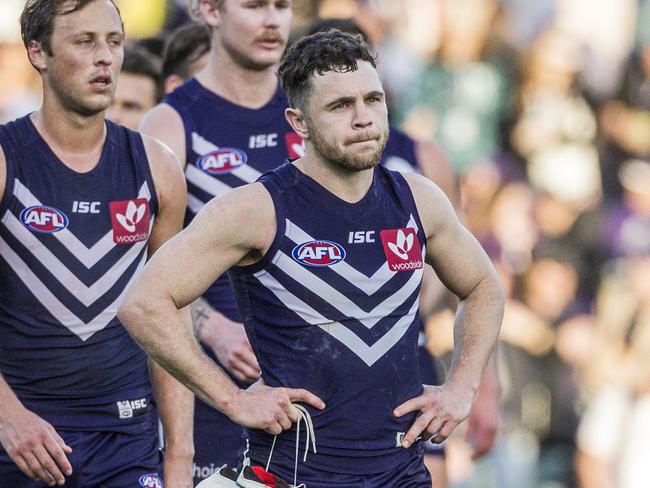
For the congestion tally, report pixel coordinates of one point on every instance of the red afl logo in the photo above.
(222, 161)
(318, 253)
(42, 218)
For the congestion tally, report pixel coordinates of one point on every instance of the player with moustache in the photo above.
(226, 125)
(84, 203)
(325, 317)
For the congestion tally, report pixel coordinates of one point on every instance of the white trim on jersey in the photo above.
(205, 182)
(368, 354)
(85, 294)
(341, 302)
(87, 256)
(60, 312)
(202, 146)
(194, 204)
(368, 284)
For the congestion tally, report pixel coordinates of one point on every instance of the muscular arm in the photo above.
(464, 268)
(485, 416)
(236, 228)
(175, 401)
(226, 338)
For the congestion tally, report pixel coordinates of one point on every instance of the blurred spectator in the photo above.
(555, 129)
(614, 435)
(138, 88)
(185, 54)
(625, 120)
(605, 32)
(461, 97)
(19, 83)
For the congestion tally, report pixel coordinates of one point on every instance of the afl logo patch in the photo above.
(41, 218)
(318, 253)
(151, 480)
(222, 161)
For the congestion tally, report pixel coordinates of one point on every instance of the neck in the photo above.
(245, 87)
(76, 139)
(350, 186)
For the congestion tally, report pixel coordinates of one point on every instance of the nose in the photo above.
(272, 17)
(362, 118)
(103, 53)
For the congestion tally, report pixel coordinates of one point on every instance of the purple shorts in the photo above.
(411, 474)
(102, 459)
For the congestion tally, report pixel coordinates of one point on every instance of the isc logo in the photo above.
(132, 408)
(42, 218)
(318, 253)
(263, 140)
(222, 161)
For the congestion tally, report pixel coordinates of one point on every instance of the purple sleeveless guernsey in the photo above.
(70, 244)
(227, 146)
(333, 308)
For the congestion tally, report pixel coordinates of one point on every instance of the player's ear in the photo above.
(210, 12)
(297, 121)
(37, 55)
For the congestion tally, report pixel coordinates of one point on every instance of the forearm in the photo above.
(9, 402)
(160, 329)
(176, 407)
(204, 320)
(476, 328)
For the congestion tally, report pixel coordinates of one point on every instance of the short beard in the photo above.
(338, 158)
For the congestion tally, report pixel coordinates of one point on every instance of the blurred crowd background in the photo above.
(543, 109)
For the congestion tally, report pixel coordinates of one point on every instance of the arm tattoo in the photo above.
(200, 314)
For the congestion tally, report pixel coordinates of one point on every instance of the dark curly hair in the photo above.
(37, 19)
(319, 53)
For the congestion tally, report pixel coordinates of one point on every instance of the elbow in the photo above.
(499, 292)
(131, 314)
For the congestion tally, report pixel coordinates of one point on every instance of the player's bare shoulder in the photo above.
(164, 123)
(165, 169)
(433, 205)
(247, 215)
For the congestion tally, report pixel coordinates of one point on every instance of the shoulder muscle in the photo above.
(165, 124)
(170, 189)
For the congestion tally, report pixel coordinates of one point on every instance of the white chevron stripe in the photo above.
(368, 284)
(87, 256)
(194, 204)
(246, 173)
(341, 302)
(205, 182)
(85, 294)
(368, 354)
(60, 312)
(202, 146)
